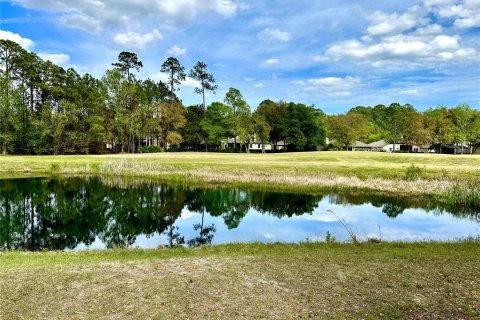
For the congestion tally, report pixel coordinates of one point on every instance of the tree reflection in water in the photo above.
(61, 213)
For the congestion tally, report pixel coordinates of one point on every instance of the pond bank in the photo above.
(452, 179)
(245, 281)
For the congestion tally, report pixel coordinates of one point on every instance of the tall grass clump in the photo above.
(465, 194)
(54, 168)
(414, 173)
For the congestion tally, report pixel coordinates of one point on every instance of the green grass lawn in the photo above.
(371, 164)
(250, 281)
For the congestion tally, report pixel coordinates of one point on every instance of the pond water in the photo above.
(91, 213)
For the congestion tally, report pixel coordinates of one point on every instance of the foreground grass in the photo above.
(303, 172)
(279, 281)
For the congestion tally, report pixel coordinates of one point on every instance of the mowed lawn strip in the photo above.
(246, 281)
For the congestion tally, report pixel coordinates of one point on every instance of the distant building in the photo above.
(254, 145)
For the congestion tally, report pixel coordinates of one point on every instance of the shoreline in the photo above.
(450, 179)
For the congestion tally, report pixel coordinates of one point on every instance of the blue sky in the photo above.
(333, 54)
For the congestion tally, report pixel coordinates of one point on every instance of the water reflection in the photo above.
(62, 213)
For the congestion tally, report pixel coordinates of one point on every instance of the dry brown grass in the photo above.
(306, 172)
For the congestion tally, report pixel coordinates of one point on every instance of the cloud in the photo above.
(177, 51)
(430, 29)
(401, 49)
(466, 14)
(136, 40)
(270, 62)
(270, 34)
(258, 85)
(60, 59)
(394, 23)
(93, 16)
(412, 92)
(332, 86)
(23, 42)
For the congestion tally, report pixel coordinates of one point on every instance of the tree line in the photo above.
(439, 127)
(45, 109)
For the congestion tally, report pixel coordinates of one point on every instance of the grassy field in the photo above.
(250, 281)
(305, 172)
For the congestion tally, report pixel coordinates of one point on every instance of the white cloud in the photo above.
(394, 23)
(332, 86)
(159, 76)
(270, 62)
(136, 40)
(401, 49)
(59, 59)
(23, 42)
(412, 92)
(177, 51)
(190, 82)
(466, 13)
(270, 34)
(258, 85)
(93, 16)
(430, 29)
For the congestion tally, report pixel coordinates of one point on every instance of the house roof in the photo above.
(360, 144)
(378, 144)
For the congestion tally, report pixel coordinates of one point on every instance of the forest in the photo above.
(45, 109)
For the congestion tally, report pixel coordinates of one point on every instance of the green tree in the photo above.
(245, 127)
(206, 80)
(347, 128)
(303, 127)
(172, 119)
(440, 127)
(261, 128)
(9, 105)
(192, 132)
(272, 113)
(216, 123)
(234, 100)
(126, 62)
(462, 116)
(176, 74)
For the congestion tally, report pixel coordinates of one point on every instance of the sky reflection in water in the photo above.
(79, 213)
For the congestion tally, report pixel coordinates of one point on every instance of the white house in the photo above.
(382, 145)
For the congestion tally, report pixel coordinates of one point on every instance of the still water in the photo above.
(92, 213)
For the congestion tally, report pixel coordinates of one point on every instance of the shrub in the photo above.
(414, 173)
(150, 149)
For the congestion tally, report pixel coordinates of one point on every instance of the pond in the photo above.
(79, 213)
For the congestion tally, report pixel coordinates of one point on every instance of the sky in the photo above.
(334, 54)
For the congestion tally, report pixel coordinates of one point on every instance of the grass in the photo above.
(254, 281)
(310, 172)
(246, 281)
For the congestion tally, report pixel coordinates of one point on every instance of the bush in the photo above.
(150, 149)
(414, 173)
(54, 168)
